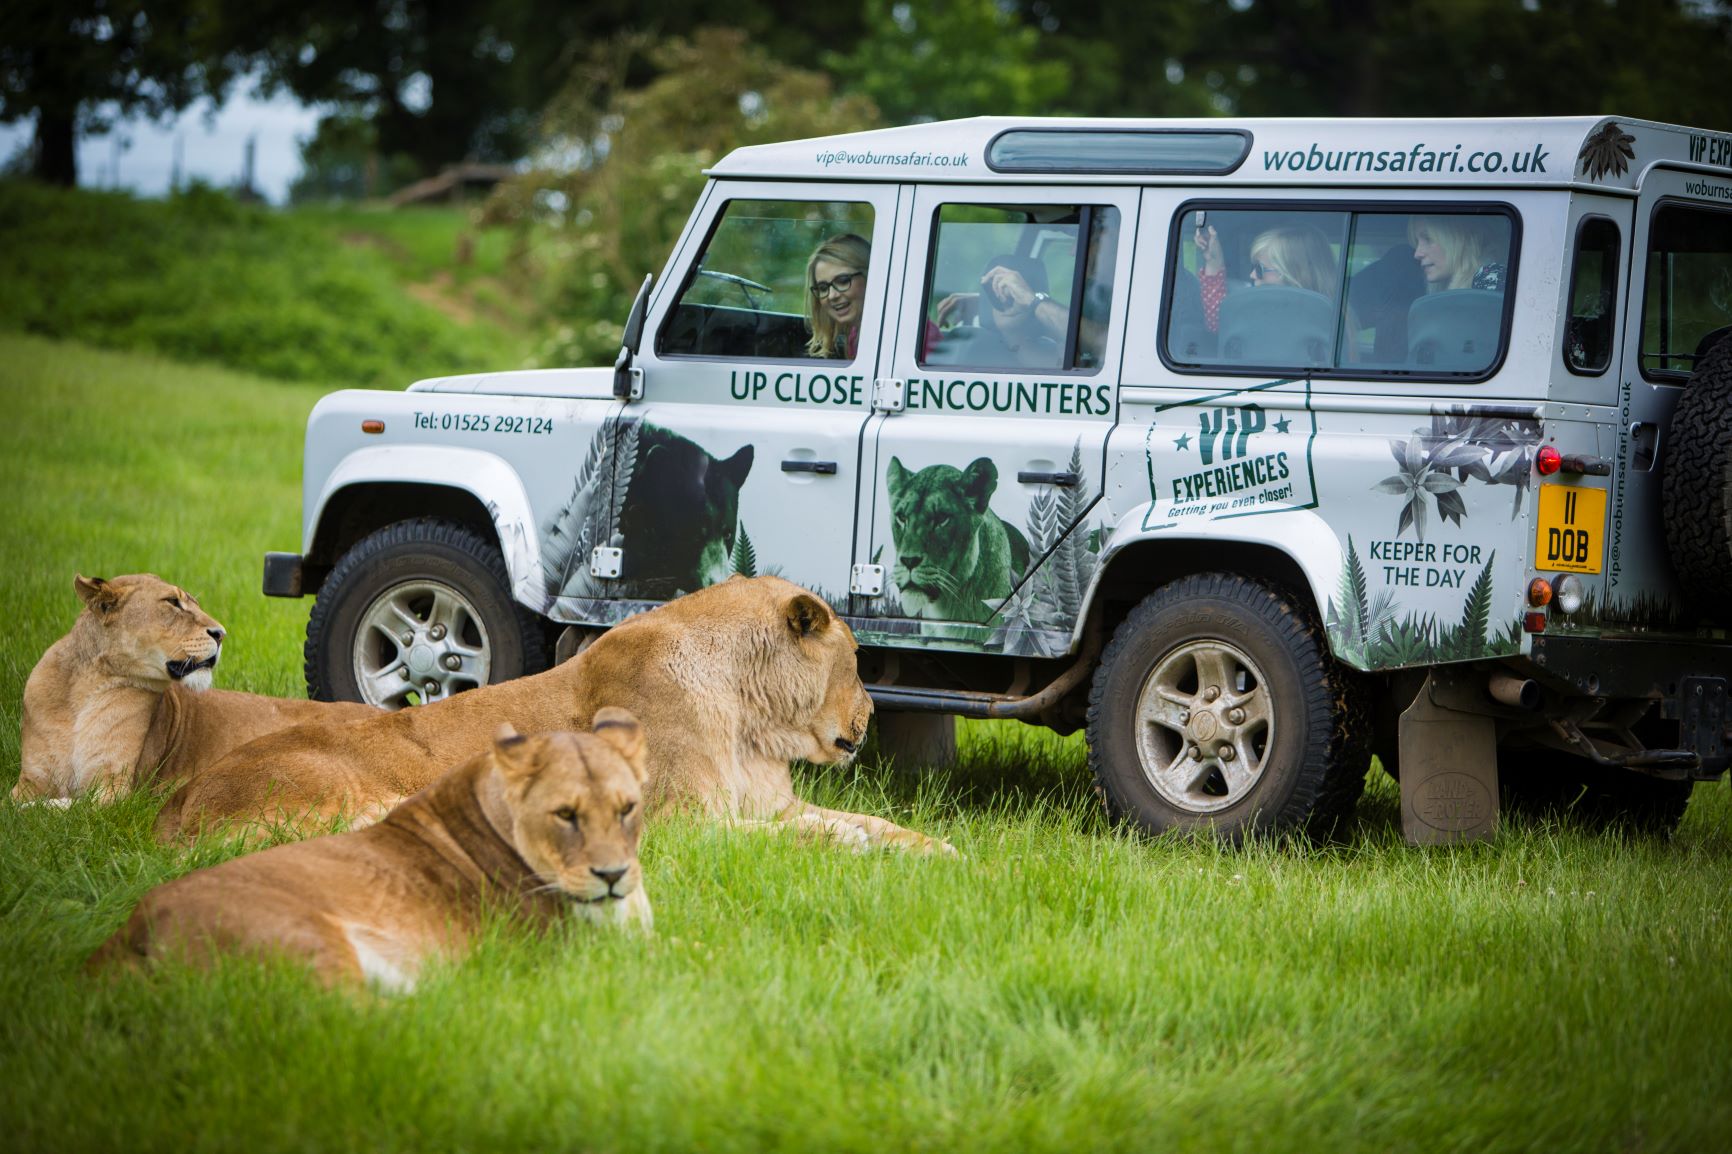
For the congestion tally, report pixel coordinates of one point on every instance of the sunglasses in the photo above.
(1264, 271)
(840, 283)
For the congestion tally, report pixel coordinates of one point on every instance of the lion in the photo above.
(549, 824)
(124, 697)
(731, 684)
(955, 558)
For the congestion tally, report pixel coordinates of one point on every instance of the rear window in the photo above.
(1300, 290)
(1688, 298)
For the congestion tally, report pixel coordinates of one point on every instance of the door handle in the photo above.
(1063, 479)
(828, 468)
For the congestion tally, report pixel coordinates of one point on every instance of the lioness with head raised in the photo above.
(547, 824)
(731, 683)
(126, 695)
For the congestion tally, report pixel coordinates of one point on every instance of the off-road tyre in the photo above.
(1546, 784)
(430, 553)
(1697, 485)
(1314, 756)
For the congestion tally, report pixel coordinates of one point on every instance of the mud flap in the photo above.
(1448, 773)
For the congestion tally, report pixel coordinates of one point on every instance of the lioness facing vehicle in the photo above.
(125, 696)
(548, 823)
(731, 683)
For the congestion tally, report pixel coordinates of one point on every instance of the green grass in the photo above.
(1063, 987)
(285, 295)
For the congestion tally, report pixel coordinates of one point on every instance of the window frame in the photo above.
(1143, 171)
(692, 269)
(1675, 378)
(1073, 326)
(1570, 294)
(1353, 207)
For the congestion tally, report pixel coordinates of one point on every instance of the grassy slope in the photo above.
(1063, 987)
(199, 277)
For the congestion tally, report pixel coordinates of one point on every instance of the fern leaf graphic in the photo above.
(624, 465)
(568, 538)
(1355, 612)
(1476, 612)
(745, 557)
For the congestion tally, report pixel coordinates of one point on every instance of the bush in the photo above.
(201, 277)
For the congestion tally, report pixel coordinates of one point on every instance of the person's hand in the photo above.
(1209, 249)
(958, 309)
(1007, 291)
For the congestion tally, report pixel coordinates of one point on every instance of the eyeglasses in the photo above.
(1262, 271)
(840, 283)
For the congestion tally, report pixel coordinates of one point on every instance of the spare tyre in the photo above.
(1697, 487)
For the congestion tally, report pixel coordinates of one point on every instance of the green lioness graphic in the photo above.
(955, 558)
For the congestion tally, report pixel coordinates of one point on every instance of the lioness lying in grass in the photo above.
(548, 823)
(731, 683)
(125, 696)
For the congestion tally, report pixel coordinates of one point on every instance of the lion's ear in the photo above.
(806, 614)
(620, 729)
(508, 750)
(979, 480)
(96, 593)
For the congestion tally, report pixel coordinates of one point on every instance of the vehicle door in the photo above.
(742, 454)
(975, 512)
(1680, 289)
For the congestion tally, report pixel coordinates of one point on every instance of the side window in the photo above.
(1687, 302)
(1360, 293)
(1025, 286)
(777, 280)
(1593, 289)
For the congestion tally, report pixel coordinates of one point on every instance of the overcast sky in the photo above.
(214, 150)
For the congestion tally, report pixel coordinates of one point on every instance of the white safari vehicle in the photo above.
(1255, 447)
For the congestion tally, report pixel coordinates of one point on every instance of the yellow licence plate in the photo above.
(1572, 530)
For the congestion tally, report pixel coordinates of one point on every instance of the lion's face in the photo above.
(824, 658)
(935, 520)
(152, 631)
(576, 801)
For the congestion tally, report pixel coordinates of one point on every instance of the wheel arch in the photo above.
(1293, 550)
(372, 488)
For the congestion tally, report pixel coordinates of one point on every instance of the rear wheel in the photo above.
(1216, 706)
(416, 612)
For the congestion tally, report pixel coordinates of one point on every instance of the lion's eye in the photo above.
(175, 601)
(628, 809)
(566, 813)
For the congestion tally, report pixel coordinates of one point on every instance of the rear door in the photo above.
(1681, 291)
(1008, 347)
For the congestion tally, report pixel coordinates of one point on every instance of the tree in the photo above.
(76, 65)
(620, 163)
(936, 61)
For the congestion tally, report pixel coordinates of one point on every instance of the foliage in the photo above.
(201, 277)
(623, 165)
(342, 161)
(936, 61)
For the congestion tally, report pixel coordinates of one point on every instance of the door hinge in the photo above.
(604, 562)
(866, 581)
(888, 395)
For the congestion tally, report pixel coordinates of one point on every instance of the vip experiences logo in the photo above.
(1230, 458)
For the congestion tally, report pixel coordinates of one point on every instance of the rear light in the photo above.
(1539, 592)
(1534, 622)
(372, 426)
(1548, 460)
(1567, 589)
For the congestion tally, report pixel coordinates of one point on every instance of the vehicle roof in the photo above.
(1602, 152)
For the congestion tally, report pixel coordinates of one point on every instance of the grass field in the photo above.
(1065, 986)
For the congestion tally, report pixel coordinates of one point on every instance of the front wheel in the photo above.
(1216, 706)
(416, 612)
